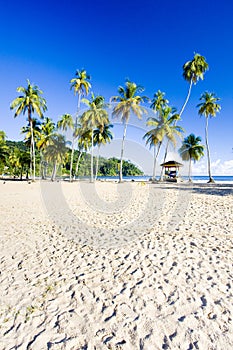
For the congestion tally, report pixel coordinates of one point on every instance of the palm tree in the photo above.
(154, 137)
(66, 122)
(46, 133)
(95, 116)
(168, 129)
(193, 71)
(4, 151)
(84, 143)
(30, 101)
(158, 101)
(56, 152)
(208, 108)
(128, 102)
(31, 133)
(81, 86)
(191, 149)
(101, 136)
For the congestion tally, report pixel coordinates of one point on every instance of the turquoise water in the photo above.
(198, 179)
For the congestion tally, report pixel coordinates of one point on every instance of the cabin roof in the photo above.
(171, 164)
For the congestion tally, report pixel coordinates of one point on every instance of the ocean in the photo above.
(196, 179)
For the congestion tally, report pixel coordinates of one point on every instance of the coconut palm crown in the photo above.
(30, 101)
(193, 71)
(191, 149)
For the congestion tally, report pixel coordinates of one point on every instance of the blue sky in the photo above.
(147, 41)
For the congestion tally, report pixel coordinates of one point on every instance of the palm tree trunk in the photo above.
(155, 160)
(190, 163)
(187, 98)
(92, 147)
(208, 151)
(77, 165)
(33, 151)
(122, 152)
(164, 159)
(97, 163)
(54, 171)
(73, 140)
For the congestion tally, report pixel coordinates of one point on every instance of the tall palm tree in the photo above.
(56, 152)
(66, 122)
(81, 86)
(101, 136)
(128, 102)
(95, 116)
(30, 101)
(208, 108)
(193, 71)
(191, 149)
(47, 132)
(154, 137)
(32, 135)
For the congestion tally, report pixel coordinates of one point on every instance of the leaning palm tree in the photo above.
(193, 71)
(128, 102)
(191, 149)
(208, 108)
(66, 122)
(30, 101)
(81, 86)
(95, 116)
(101, 136)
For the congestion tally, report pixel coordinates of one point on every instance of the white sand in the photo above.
(137, 267)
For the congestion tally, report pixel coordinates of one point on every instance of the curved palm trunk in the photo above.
(208, 151)
(155, 160)
(73, 140)
(187, 98)
(97, 163)
(164, 159)
(92, 147)
(122, 152)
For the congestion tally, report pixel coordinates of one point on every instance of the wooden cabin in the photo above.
(171, 170)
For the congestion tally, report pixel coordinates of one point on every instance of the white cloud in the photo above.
(218, 167)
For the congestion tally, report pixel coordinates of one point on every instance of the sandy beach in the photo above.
(116, 266)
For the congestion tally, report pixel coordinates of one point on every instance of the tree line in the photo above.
(92, 128)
